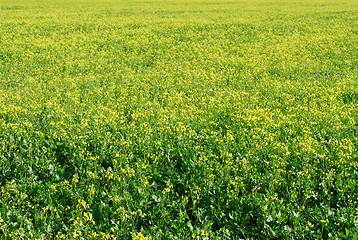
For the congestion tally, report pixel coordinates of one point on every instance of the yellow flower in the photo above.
(139, 236)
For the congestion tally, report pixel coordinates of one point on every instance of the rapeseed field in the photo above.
(177, 119)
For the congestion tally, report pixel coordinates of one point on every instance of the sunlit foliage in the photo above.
(178, 119)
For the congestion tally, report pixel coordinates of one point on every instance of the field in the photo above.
(177, 119)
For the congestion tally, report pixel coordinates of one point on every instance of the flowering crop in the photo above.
(178, 119)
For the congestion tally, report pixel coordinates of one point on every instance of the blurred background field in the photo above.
(178, 119)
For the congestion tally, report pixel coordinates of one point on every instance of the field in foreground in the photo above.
(188, 120)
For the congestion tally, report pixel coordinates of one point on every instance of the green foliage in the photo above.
(178, 119)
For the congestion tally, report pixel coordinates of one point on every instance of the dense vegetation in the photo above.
(178, 120)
